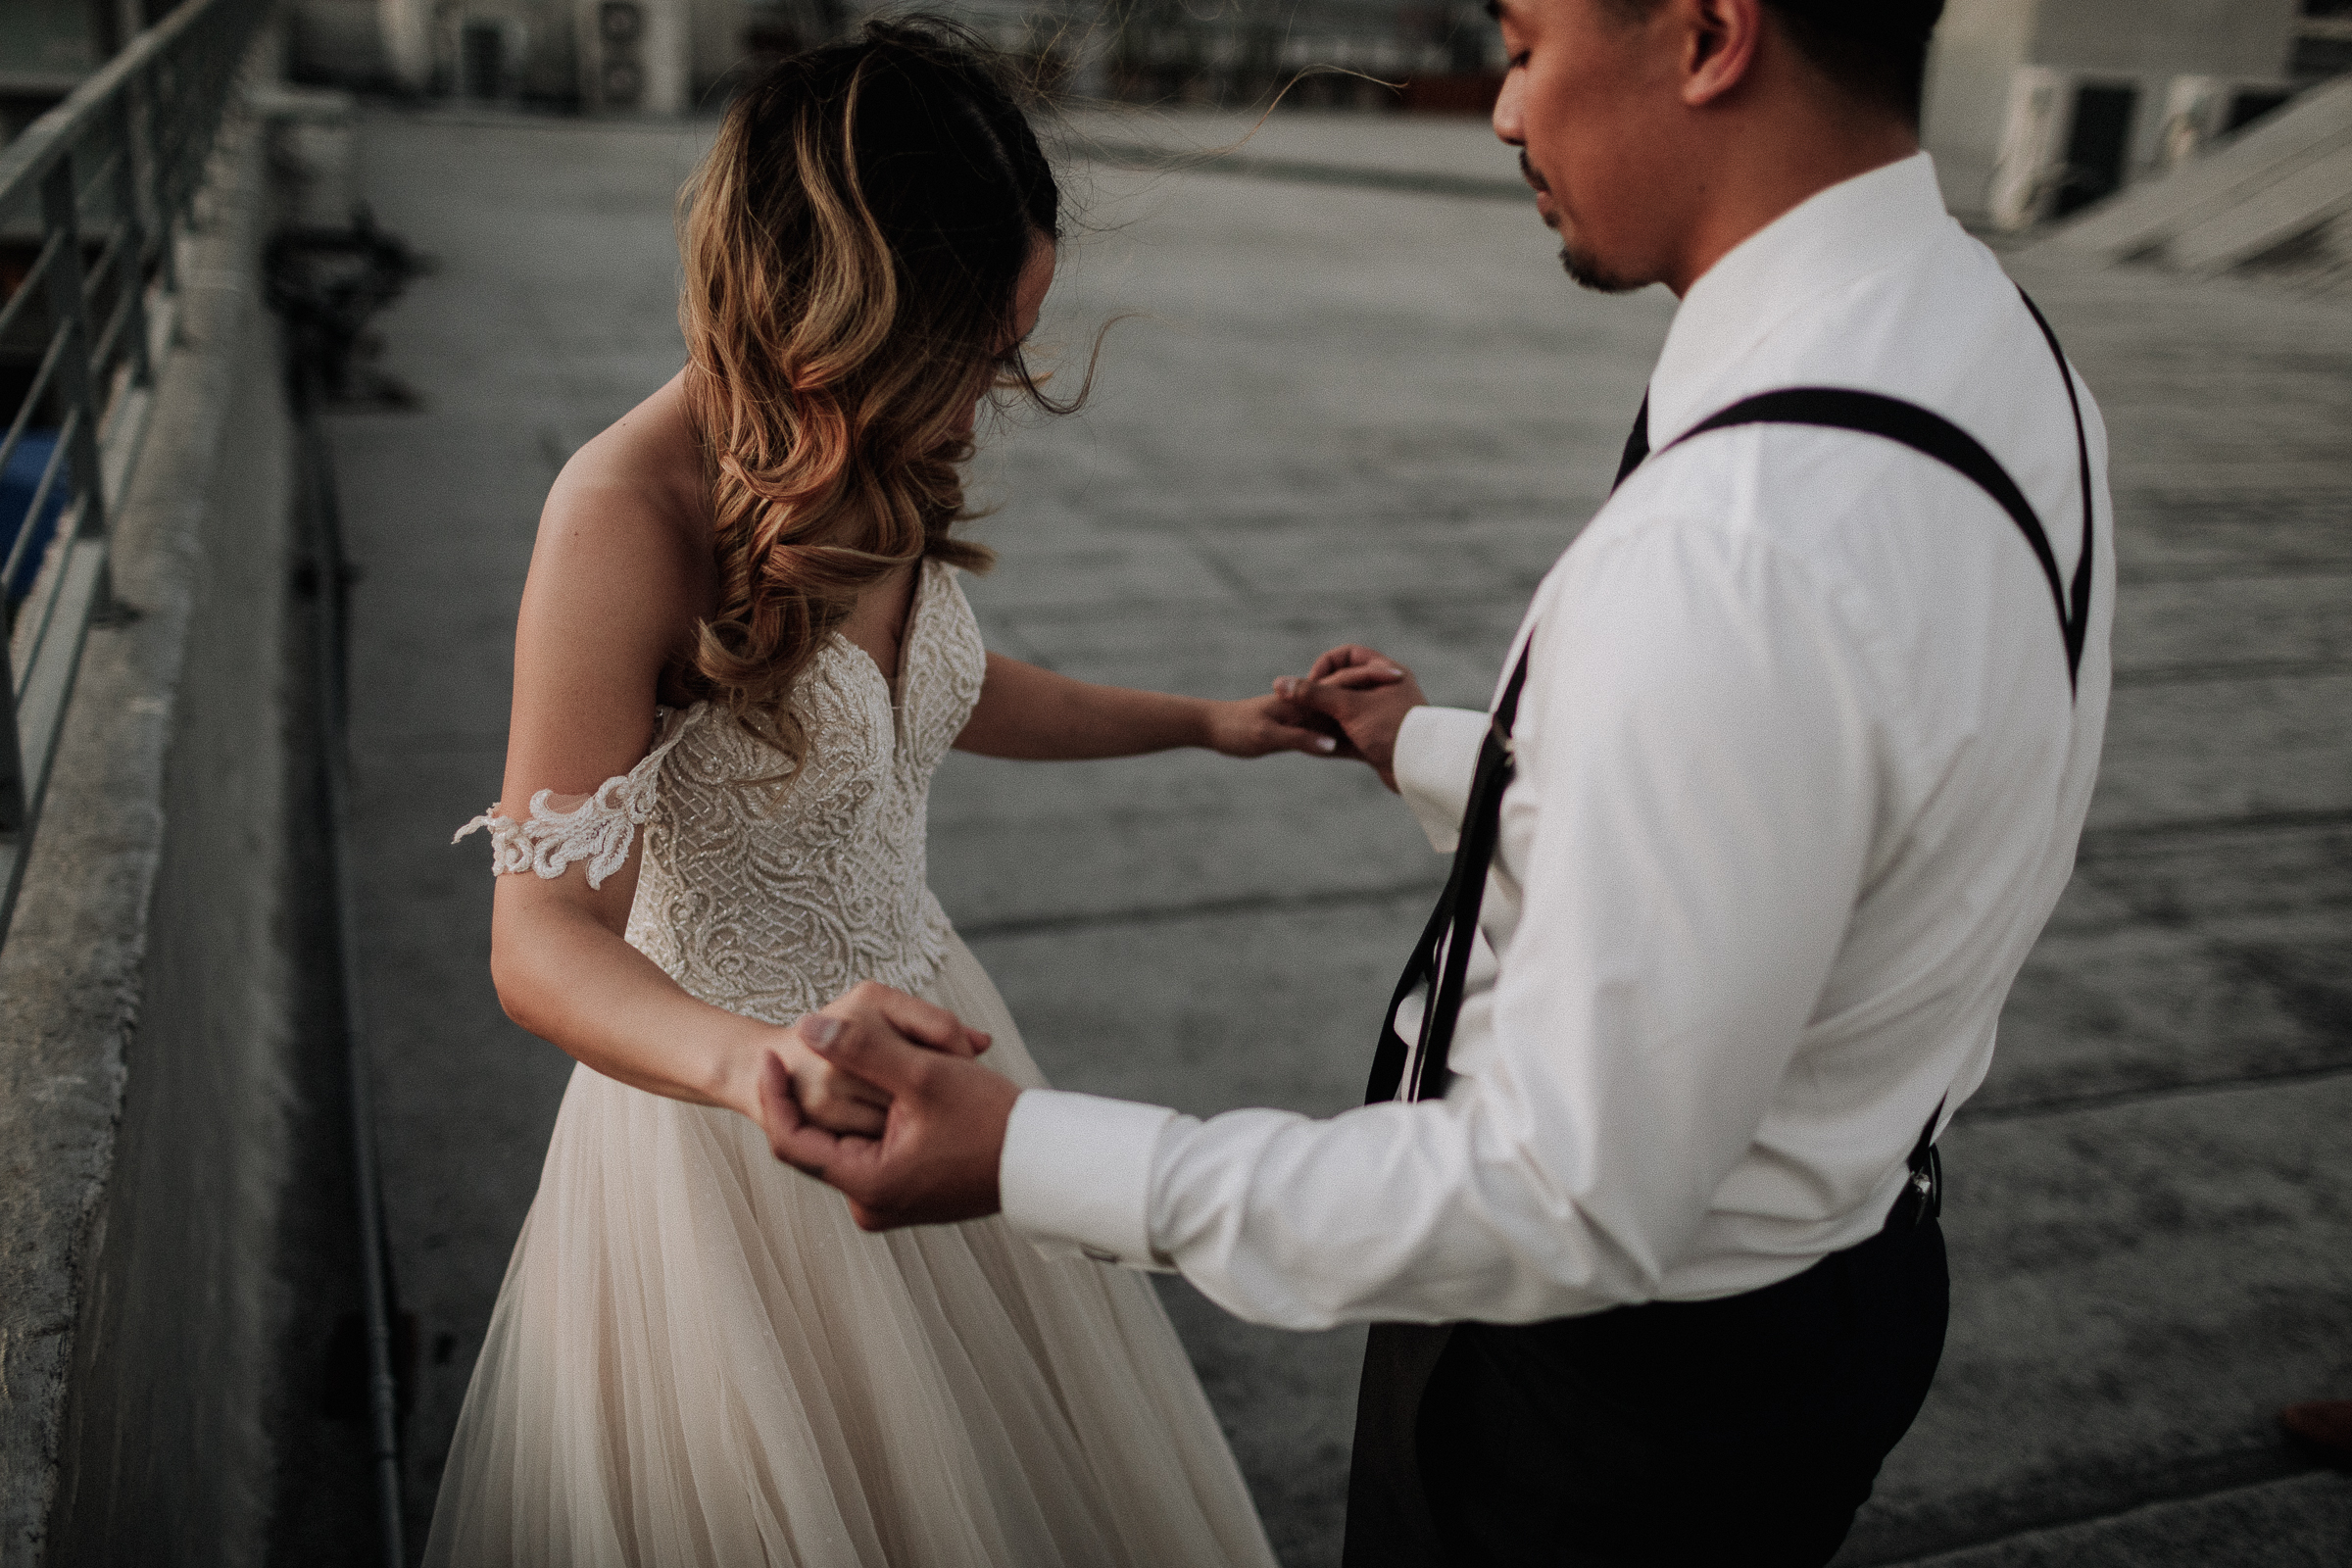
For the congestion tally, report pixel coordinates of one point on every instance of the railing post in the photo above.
(12, 786)
(131, 271)
(60, 216)
(159, 175)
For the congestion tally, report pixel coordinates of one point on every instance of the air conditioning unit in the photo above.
(632, 56)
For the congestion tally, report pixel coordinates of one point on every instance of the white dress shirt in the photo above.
(1799, 779)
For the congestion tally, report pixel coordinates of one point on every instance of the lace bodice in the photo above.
(772, 899)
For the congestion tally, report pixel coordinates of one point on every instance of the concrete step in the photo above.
(2302, 1521)
(2281, 179)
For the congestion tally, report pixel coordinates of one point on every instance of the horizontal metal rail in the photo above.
(94, 197)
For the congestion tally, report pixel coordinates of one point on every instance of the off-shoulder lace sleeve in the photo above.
(598, 830)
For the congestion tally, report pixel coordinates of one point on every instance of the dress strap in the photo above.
(599, 830)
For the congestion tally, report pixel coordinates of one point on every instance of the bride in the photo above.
(742, 650)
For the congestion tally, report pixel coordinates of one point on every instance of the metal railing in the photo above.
(94, 197)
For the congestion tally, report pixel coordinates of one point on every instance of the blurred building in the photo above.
(667, 56)
(659, 57)
(2036, 108)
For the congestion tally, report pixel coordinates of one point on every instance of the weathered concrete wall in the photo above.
(144, 1019)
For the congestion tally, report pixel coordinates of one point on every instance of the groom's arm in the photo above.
(1690, 825)
(1694, 813)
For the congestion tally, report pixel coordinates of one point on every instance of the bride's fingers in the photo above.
(796, 1137)
(1313, 742)
(791, 1137)
(846, 1118)
(839, 1103)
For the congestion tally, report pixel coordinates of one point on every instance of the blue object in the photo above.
(17, 483)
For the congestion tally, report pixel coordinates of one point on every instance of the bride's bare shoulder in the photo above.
(634, 493)
(624, 539)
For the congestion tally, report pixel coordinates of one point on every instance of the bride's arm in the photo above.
(613, 580)
(1038, 716)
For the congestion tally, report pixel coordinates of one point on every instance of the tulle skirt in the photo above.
(698, 1358)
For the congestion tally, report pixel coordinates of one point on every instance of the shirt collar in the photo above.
(1854, 227)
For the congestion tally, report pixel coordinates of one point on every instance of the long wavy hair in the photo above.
(853, 245)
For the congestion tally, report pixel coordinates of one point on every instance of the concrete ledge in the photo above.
(142, 986)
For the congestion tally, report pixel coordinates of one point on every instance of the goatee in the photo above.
(1587, 270)
(1589, 273)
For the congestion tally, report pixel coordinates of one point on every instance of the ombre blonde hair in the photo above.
(853, 244)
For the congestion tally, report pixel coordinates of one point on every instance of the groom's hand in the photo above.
(935, 1158)
(1365, 695)
(834, 1099)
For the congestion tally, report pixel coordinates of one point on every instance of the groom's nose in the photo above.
(1511, 122)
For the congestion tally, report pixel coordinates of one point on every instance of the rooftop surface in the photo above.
(1348, 411)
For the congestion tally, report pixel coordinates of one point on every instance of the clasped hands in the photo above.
(897, 1112)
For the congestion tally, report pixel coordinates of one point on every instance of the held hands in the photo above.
(1359, 697)
(834, 1099)
(933, 1159)
(1350, 704)
(1260, 727)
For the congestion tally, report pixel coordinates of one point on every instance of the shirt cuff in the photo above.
(1435, 759)
(1075, 1177)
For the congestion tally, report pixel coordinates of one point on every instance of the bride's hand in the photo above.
(1260, 727)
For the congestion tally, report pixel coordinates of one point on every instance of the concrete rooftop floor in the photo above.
(1358, 413)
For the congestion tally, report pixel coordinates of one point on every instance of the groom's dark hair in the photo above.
(1874, 51)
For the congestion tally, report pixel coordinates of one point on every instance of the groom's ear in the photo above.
(1723, 37)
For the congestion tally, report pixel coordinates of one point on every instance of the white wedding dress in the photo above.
(697, 1357)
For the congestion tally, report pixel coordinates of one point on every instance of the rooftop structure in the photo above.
(2038, 108)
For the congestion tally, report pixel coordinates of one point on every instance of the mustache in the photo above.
(1527, 172)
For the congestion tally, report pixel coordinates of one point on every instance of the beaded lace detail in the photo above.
(598, 830)
(769, 899)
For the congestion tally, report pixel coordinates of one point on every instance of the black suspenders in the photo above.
(1844, 409)
(1442, 957)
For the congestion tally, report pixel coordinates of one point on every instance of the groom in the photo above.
(1785, 773)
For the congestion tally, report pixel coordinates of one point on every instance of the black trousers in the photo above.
(1742, 1431)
